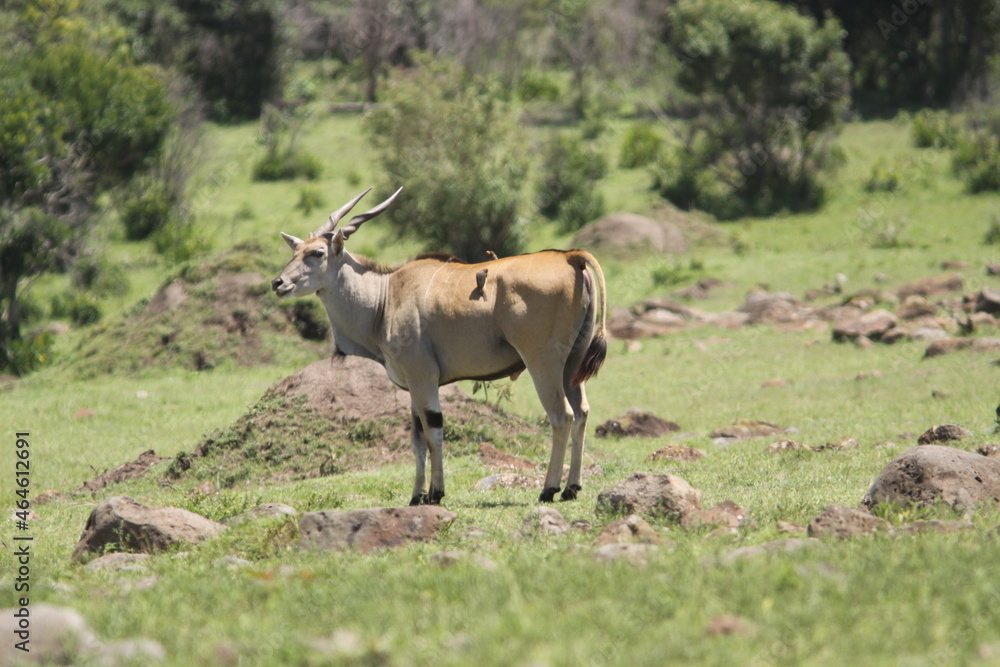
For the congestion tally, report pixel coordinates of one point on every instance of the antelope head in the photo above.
(316, 260)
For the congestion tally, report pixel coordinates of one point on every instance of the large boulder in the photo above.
(123, 523)
(870, 325)
(370, 529)
(632, 232)
(843, 522)
(647, 494)
(932, 473)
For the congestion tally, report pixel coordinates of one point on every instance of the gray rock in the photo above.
(632, 529)
(933, 473)
(118, 561)
(781, 546)
(370, 529)
(870, 325)
(61, 636)
(126, 525)
(543, 521)
(844, 522)
(726, 514)
(943, 433)
(988, 301)
(643, 493)
(634, 554)
(265, 511)
(936, 526)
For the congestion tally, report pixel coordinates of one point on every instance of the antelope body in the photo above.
(435, 320)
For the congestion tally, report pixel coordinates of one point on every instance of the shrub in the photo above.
(79, 308)
(566, 189)
(977, 161)
(454, 146)
(773, 88)
(640, 146)
(536, 86)
(146, 210)
(933, 129)
(99, 276)
(286, 165)
(883, 178)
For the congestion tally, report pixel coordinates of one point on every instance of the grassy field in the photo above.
(910, 600)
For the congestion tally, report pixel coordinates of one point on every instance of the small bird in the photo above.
(481, 283)
(492, 255)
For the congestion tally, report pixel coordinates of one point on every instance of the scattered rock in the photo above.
(674, 452)
(651, 495)
(915, 306)
(952, 264)
(727, 624)
(369, 529)
(265, 511)
(790, 528)
(726, 514)
(634, 554)
(61, 636)
(510, 481)
(631, 231)
(492, 457)
(636, 423)
(746, 428)
(988, 301)
(993, 269)
(844, 522)
(763, 307)
(455, 556)
(943, 433)
(631, 529)
(232, 562)
(869, 326)
(84, 413)
(543, 521)
(931, 285)
(936, 526)
(932, 473)
(843, 444)
(774, 382)
(126, 471)
(126, 525)
(118, 561)
(784, 545)
(992, 451)
(785, 445)
(868, 375)
(946, 345)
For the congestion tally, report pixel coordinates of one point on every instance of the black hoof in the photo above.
(432, 498)
(548, 495)
(569, 493)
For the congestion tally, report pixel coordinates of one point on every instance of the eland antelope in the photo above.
(436, 319)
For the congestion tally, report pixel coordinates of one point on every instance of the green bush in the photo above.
(24, 355)
(977, 161)
(99, 276)
(640, 146)
(454, 145)
(80, 308)
(773, 88)
(286, 165)
(566, 189)
(883, 178)
(309, 198)
(934, 129)
(146, 210)
(536, 86)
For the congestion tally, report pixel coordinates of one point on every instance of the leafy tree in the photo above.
(772, 88)
(914, 53)
(85, 118)
(452, 144)
(571, 168)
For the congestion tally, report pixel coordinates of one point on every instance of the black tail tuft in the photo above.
(592, 361)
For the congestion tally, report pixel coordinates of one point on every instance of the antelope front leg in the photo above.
(419, 445)
(428, 423)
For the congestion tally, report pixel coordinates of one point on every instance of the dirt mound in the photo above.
(627, 231)
(214, 312)
(126, 471)
(338, 415)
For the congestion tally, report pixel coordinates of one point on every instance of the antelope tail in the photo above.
(598, 349)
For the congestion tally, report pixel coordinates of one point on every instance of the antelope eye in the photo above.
(316, 253)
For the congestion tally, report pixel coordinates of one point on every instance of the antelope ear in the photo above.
(336, 241)
(293, 241)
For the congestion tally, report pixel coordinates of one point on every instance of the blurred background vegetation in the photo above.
(732, 108)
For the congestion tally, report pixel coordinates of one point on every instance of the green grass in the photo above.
(927, 599)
